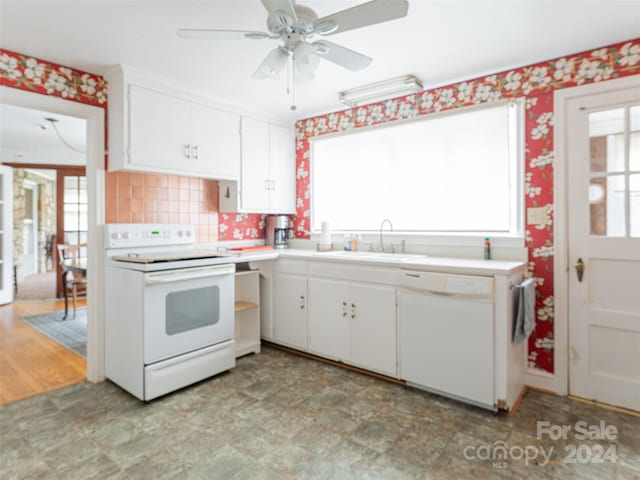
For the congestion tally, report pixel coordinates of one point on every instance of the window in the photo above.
(614, 187)
(450, 172)
(75, 211)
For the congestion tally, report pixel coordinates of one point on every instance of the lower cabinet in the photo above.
(373, 328)
(354, 323)
(329, 318)
(290, 310)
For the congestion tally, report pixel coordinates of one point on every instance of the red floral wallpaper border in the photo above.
(35, 75)
(536, 84)
(28, 73)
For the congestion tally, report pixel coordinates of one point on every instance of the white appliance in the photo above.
(169, 309)
(447, 335)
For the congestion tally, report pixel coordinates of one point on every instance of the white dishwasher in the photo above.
(446, 335)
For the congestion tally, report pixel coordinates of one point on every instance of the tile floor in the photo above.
(282, 416)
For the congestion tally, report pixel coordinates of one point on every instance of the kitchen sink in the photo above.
(372, 255)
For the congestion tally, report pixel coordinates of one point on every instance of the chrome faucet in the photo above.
(386, 220)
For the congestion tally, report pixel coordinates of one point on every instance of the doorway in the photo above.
(33, 230)
(95, 134)
(603, 243)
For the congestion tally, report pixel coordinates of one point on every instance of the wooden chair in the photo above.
(72, 283)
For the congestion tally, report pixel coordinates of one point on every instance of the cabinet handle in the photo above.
(301, 302)
(344, 309)
(195, 152)
(187, 150)
(273, 185)
(353, 310)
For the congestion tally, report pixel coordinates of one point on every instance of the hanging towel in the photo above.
(525, 317)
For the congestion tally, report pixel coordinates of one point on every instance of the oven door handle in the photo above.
(193, 274)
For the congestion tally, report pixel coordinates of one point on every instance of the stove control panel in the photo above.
(122, 235)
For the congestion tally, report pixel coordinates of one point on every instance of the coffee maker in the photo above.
(277, 231)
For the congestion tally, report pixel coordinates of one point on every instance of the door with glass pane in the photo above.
(72, 208)
(604, 247)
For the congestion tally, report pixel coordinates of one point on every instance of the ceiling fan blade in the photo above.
(213, 34)
(343, 56)
(285, 6)
(370, 13)
(272, 64)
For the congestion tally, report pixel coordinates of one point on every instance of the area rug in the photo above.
(70, 333)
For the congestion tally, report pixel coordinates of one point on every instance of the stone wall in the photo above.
(46, 218)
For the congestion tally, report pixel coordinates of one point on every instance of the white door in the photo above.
(603, 147)
(373, 328)
(290, 310)
(216, 135)
(255, 165)
(329, 318)
(6, 234)
(160, 131)
(283, 169)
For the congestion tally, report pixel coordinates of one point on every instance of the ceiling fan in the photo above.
(296, 27)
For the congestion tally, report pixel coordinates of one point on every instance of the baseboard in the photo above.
(606, 406)
(516, 405)
(334, 363)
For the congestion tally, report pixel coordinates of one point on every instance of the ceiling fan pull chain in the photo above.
(293, 84)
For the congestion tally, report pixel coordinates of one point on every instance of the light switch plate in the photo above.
(536, 216)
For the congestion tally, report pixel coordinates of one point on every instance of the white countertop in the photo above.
(408, 262)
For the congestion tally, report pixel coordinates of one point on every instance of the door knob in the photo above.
(579, 269)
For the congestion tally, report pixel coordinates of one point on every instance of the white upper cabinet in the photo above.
(156, 128)
(255, 165)
(216, 134)
(267, 181)
(283, 170)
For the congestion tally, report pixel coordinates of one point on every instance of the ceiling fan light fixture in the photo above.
(305, 58)
(303, 77)
(394, 87)
(272, 65)
(326, 27)
(320, 49)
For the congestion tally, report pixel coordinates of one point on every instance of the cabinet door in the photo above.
(329, 317)
(373, 328)
(255, 166)
(159, 130)
(290, 310)
(283, 169)
(217, 136)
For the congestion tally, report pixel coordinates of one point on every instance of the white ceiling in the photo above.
(21, 130)
(439, 41)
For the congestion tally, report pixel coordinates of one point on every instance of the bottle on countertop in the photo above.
(347, 243)
(487, 248)
(355, 241)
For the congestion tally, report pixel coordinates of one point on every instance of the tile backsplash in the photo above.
(156, 198)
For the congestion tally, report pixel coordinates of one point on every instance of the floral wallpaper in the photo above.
(536, 84)
(241, 226)
(28, 73)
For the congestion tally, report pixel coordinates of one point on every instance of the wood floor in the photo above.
(30, 362)
(41, 286)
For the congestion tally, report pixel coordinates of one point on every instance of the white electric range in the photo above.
(169, 309)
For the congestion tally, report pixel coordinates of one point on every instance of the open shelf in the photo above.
(247, 312)
(242, 305)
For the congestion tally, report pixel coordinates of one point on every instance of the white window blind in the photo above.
(455, 172)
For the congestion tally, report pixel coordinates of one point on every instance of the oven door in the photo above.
(187, 309)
